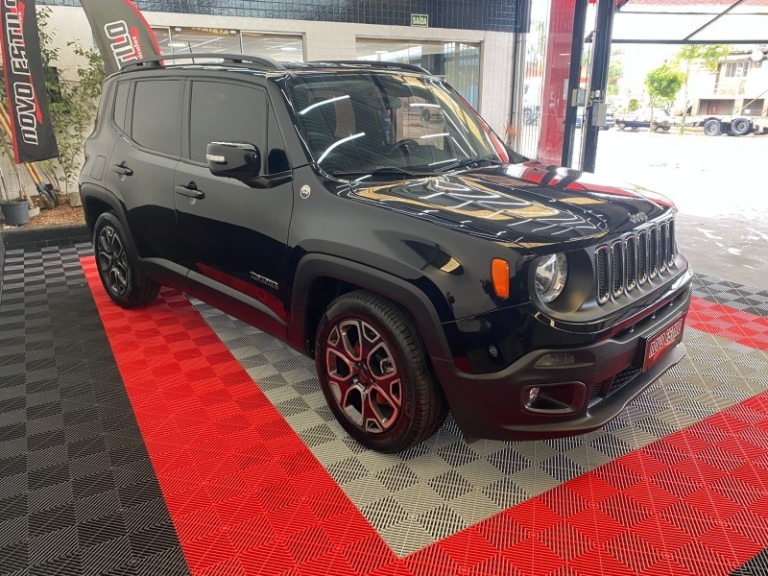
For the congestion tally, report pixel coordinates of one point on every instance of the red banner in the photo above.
(31, 127)
(122, 34)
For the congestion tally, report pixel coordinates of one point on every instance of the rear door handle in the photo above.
(190, 191)
(122, 169)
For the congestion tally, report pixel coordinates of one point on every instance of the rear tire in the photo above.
(373, 369)
(118, 266)
(740, 127)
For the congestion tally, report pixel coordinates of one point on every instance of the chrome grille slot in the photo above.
(631, 263)
(635, 260)
(601, 265)
(672, 243)
(617, 268)
(653, 253)
(642, 258)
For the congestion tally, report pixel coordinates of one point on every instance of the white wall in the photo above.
(322, 41)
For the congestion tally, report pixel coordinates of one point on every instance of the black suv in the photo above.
(423, 264)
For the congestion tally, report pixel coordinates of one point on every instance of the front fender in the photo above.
(404, 293)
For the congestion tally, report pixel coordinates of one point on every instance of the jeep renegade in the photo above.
(423, 264)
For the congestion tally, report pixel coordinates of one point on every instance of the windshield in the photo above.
(361, 123)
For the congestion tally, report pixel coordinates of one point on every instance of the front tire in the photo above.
(374, 373)
(712, 127)
(118, 269)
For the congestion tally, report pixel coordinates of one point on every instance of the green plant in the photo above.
(634, 105)
(615, 71)
(663, 83)
(73, 103)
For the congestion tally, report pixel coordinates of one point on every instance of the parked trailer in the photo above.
(732, 125)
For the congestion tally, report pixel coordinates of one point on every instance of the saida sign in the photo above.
(421, 20)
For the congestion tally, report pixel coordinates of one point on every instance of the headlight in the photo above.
(551, 274)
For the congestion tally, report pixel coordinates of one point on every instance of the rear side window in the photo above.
(156, 121)
(224, 112)
(121, 105)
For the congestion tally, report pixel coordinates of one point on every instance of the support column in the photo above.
(596, 98)
(574, 80)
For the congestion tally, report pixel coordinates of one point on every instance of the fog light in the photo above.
(533, 395)
(554, 360)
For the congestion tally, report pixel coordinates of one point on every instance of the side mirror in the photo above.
(239, 160)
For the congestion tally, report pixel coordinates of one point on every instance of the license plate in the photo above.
(666, 338)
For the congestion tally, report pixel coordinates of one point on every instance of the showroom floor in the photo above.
(175, 440)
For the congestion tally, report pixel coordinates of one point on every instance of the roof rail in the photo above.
(258, 62)
(375, 64)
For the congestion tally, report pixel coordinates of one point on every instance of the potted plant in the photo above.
(15, 207)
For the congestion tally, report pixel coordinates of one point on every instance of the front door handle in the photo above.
(190, 191)
(122, 169)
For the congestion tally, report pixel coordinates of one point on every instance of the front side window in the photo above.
(156, 121)
(364, 122)
(224, 112)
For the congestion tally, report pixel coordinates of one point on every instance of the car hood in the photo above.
(528, 204)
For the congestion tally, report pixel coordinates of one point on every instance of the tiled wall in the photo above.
(488, 15)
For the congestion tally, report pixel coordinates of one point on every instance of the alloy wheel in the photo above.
(113, 261)
(363, 375)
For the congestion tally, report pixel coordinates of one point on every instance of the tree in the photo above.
(709, 56)
(615, 71)
(663, 83)
(73, 103)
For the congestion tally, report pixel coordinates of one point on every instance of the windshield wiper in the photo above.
(470, 163)
(390, 171)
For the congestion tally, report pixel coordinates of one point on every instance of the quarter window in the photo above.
(121, 105)
(226, 113)
(156, 120)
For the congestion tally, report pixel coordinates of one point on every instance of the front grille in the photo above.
(634, 261)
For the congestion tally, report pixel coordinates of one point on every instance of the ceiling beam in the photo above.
(715, 19)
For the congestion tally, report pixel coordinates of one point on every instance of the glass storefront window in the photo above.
(280, 47)
(205, 40)
(458, 62)
(163, 36)
(186, 40)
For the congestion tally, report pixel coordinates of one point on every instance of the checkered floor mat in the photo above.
(445, 485)
(744, 298)
(77, 491)
(237, 467)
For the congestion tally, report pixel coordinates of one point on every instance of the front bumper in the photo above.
(606, 376)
